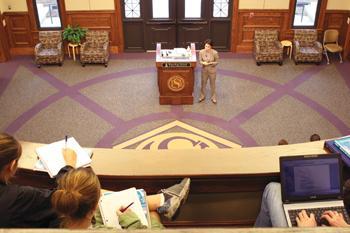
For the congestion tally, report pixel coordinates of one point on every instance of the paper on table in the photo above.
(39, 166)
(52, 158)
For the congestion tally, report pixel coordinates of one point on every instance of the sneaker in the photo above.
(175, 196)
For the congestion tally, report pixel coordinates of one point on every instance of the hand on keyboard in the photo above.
(304, 220)
(334, 219)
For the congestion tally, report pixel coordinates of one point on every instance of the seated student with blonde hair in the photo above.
(24, 206)
(78, 192)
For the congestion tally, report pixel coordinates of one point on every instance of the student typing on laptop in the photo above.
(272, 215)
(308, 182)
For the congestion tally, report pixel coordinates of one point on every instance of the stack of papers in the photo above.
(51, 158)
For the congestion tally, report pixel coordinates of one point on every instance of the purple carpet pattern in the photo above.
(102, 107)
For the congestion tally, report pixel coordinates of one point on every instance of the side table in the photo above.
(289, 45)
(73, 47)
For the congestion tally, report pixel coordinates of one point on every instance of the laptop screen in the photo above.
(310, 177)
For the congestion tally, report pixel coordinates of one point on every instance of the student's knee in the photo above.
(272, 191)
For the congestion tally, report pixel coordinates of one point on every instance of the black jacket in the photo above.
(28, 207)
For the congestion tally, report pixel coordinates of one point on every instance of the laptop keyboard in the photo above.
(318, 213)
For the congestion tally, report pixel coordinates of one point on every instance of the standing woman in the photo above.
(24, 206)
(208, 58)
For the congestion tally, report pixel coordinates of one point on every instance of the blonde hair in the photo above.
(76, 196)
(10, 150)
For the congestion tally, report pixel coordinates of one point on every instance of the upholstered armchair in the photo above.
(267, 47)
(306, 46)
(49, 50)
(96, 48)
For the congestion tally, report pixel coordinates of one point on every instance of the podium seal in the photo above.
(176, 83)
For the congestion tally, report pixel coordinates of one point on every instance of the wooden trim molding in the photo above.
(347, 40)
(119, 30)
(4, 45)
(234, 27)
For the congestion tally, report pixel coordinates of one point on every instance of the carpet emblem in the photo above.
(176, 135)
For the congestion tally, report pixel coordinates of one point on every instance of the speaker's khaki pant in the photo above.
(208, 72)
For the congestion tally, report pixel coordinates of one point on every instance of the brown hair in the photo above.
(10, 150)
(315, 137)
(76, 196)
(209, 42)
(283, 142)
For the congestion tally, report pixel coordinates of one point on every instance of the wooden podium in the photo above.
(175, 76)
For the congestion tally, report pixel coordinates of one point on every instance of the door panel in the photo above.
(160, 33)
(220, 33)
(177, 31)
(133, 33)
(192, 33)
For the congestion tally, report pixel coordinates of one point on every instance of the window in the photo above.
(220, 8)
(193, 8)
(132, 8)
(160, 9)
(305, 13)
(48, 14)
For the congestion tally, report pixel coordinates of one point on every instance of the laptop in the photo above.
(312, 183)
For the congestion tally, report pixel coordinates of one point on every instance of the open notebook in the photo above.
(110, 202)
(52, 158)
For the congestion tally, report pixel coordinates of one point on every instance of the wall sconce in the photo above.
(9, 7)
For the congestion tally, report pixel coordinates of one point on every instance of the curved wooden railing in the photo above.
(226, 183)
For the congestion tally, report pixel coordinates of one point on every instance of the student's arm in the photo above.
(129, 220)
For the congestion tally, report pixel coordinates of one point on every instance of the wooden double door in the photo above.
(179, 27)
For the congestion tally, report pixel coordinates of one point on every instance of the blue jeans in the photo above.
(271, 211)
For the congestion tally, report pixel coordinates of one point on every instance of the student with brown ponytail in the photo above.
(78, 192)
(24, 206)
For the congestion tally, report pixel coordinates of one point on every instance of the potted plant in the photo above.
(74, 34)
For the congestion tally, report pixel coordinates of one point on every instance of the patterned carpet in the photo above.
(103, 107)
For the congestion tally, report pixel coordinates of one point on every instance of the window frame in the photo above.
(36, 15)
(228, 10)
(132, 18)
(317, 17)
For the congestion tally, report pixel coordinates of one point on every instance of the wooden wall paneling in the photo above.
(4, 45)
(96, 20)
(347, 40)
(249, 20)
(234, 26)
(18, 29)
(119, 24)
(336, 19)
(322, 14)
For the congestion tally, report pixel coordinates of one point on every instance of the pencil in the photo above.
(124, 209)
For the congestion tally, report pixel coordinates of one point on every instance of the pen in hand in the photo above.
(124, 209)
(65, 142)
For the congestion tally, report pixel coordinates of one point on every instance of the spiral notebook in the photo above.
(110, 202)
(52, 158)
